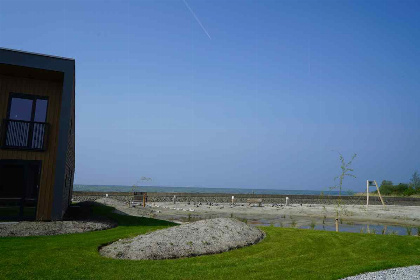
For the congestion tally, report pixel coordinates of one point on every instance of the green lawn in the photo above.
(284, 254)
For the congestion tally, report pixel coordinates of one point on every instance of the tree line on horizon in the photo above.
(405, 189)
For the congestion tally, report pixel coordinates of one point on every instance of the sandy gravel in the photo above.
(400, 273)
(51, 228)
(303, 214)
(199, 238)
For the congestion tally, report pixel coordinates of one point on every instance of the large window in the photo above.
(19, 187)
(28, 108)
(26, 123)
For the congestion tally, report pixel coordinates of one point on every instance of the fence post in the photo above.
(367, 193)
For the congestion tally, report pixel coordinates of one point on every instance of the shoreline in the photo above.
(242, 198)
(291, 215)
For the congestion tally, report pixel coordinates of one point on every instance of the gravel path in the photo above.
(400, 273)
(79, 218)
(52, 228)
(199, 238)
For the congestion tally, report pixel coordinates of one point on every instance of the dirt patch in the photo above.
(199, 238)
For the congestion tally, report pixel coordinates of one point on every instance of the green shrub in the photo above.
(409, 191)
(387, 188)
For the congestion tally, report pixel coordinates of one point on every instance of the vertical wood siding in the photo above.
(53, 90)
(70, 158)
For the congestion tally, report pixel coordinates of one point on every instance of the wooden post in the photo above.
(336, 224)
(380, 196)
(367, 193)
(144, 199)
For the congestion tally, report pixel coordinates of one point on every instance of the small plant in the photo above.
(244, 220)
(341, 221)
(312, 225)
(293, 224)
(137, 185)
(362, 230)
(189, 243)
(231, 215)
(189, 217)
(409, 230)
(373, 231)
(346, 171)
(271, 224)
(383, 231)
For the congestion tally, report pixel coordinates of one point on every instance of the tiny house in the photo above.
(37, 135)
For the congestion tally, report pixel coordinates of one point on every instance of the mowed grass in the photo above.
(285, 253)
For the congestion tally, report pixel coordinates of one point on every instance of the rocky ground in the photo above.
(198, 238)
(400, 273)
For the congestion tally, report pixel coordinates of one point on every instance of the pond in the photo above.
(344, 226)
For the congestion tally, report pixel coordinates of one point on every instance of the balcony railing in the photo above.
(24, 135)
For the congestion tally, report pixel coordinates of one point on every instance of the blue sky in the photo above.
(266, 102)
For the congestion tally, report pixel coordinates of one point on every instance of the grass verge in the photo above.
(285, 253)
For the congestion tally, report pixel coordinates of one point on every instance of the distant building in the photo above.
(37, 159)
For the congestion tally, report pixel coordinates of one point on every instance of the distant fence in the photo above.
(241, 198)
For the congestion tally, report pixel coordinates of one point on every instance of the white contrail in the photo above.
(196, 18)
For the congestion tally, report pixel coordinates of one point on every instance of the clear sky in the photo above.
(262, 94)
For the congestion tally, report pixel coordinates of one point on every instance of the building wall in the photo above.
(70, 159)
(42, 87)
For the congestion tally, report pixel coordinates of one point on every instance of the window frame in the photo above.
(32, 97)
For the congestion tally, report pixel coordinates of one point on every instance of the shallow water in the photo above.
(344, 226)
(99, 188)
(327, 224)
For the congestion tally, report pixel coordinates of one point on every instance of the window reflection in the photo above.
(21, 109)
(41, 110)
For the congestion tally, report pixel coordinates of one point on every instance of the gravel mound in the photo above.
(400, 273)
(51, 228)
(199, 238)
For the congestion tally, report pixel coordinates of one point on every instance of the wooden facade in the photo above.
(52, 79)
